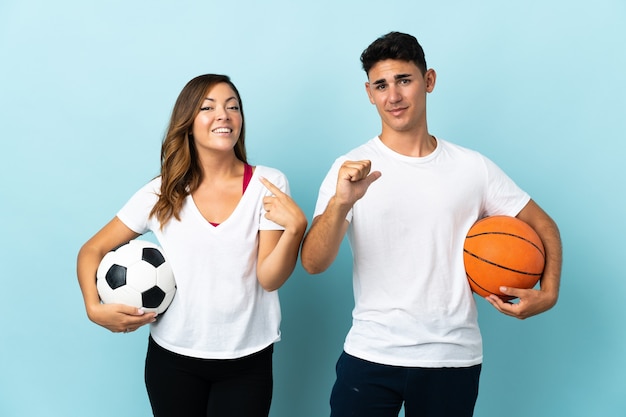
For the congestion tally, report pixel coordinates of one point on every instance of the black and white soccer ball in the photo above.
(136, 274)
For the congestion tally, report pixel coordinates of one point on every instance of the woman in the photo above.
(232, 236)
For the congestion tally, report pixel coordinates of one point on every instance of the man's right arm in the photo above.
(321, 243)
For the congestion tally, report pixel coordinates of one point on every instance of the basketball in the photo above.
(502, 251)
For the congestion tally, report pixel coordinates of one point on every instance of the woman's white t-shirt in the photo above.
(220, 311)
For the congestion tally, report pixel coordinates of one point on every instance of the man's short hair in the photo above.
(394, 45)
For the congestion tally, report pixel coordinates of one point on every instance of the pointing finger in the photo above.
(271, 187)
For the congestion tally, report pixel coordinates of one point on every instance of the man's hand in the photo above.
(531, 302)
(353, 180)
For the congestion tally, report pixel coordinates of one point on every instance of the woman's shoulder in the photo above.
(267, 172)
(273, 175)
(153, 185)
(151, 188)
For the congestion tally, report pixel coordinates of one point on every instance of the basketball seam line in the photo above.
(509, 234)
(508, 297)
(500, 266)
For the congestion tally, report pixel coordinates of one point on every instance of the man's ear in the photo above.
(367, 90)
(430, 78)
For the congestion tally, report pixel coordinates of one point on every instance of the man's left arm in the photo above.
(532, 302)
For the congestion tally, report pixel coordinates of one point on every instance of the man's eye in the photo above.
(381, 86)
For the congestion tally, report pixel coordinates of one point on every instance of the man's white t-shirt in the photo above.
(220, 311)
(413, 305)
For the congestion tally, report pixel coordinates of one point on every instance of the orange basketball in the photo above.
(502, 251)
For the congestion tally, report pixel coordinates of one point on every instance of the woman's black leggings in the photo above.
(185, 386)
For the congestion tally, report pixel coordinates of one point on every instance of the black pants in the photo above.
(367, 389)
(184, 386)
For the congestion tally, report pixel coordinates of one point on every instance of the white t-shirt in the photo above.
(413, 305)
(220, 311)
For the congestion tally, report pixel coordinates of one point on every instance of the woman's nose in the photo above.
(222, 114)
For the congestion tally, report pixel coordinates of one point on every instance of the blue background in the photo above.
(86, 89)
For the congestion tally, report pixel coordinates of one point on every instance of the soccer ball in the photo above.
(136, 274)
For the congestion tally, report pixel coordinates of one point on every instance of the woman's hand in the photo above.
(120, 318)
(282, 210)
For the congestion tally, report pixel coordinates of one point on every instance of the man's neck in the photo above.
(410, 143)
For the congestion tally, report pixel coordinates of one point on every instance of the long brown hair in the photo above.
(181, 173)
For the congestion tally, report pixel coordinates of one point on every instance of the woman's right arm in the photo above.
(115, 317)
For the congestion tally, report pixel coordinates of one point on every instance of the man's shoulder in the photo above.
(456, 148)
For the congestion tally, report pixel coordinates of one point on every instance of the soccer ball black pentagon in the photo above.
(136, 274)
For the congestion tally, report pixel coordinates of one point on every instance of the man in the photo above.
(406, 199)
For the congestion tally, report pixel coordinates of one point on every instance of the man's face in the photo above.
(398, 90)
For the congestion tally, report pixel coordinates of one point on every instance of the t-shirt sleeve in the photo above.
(135, 213)
(279, 180)
(504, 196)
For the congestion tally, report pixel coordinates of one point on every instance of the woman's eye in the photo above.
(234, 108)
(206, 108)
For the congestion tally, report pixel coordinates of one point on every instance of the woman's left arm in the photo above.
(279, 249)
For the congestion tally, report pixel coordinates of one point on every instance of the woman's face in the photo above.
(218, 124)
